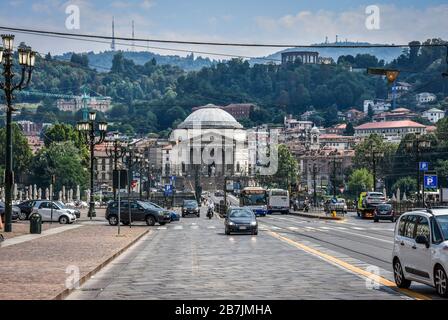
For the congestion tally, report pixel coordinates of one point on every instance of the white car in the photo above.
(63, 216)
(420, 250)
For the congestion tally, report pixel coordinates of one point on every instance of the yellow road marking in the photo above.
(383, 281)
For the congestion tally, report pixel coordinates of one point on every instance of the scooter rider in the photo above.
(211, 207)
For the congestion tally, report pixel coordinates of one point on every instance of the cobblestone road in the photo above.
(193, 259)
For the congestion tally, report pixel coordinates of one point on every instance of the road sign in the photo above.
(430, 181)
(168, 189)
(423, 166)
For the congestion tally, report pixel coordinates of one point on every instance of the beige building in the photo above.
(392, 131)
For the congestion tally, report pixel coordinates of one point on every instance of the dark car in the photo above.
(26, 208)
(173, 214)
(140, 211)
(384, 211)
(190, 207)
(241, 220)
(15, 212)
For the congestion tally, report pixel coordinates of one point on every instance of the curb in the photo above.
(64, 294)
(317, 217)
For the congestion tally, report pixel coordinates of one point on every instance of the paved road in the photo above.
(193, 259)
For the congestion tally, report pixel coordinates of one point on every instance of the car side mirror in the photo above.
(422, 240)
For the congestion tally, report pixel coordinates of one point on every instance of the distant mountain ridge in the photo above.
(102, 61)
(386, 54)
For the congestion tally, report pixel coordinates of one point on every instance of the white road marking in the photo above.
(178, 227)
(211, 227)
(358, 228)
(161, 228)
(293, 228)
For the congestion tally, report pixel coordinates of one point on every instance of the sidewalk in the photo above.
(317, 214)
(39, 268)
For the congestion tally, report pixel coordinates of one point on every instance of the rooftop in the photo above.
(210, 116)
(390, 124)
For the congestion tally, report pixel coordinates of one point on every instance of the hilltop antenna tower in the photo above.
(112, 46)
(133, 36)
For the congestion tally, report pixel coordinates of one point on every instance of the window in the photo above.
(409, 229)
(423, 228)
(402, 225)
(436, 233)
(44, 205)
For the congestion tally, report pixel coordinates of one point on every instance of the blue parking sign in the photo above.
(168, 189)
(430, 181)
(424, 166)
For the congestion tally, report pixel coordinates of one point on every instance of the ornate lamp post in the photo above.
(90, 132)
(117, 152)
(27, 59)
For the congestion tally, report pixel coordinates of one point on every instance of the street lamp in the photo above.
(27, 59)
(117, 151)
(89, 131)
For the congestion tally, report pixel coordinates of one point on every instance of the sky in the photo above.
(254, 21)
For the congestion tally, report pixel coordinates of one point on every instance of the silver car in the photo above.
(51, 211)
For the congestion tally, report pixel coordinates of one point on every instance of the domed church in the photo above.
(209, 142)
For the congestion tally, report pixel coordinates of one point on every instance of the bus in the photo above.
(278, 201)
(256, 199)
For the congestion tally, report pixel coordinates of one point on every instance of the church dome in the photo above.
(208, 117)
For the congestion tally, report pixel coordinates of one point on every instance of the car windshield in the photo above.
(190, 203)
(443, 223)
(147, 205)
(60, 204)
(376, 195)
(238, 213)
(282, 193)
(384, 207)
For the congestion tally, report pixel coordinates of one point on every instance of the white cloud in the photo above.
(398, 25)
(147, 4)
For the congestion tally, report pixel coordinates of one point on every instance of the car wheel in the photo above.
(113, 220)
(393, 219)
(125, 223)
(440, 282)
(255, 233)
(183, 216)
(150, 221)
(227, 232)
(162, 223)
(198, 215)
(64, 220)
(400, 280)
(375, 220)
(22, 216)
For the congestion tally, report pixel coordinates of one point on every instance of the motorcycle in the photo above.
(210, 213)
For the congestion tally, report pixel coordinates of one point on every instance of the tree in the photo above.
(383, 151)
(21, 152)
(360, 180)
(406, 184)
(349, 130)
(63, 160)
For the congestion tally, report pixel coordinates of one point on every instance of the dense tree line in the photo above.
(154, 98)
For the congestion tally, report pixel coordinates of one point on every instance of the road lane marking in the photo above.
(358, 228)
(363, 236)
(161, 228)
(326, 257)
(211, 227)
(178, 227)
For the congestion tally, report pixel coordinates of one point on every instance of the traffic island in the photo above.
(321, 216)
(46, 268)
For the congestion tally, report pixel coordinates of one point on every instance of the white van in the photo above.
(278, 201)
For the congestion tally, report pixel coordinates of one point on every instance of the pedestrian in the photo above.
(1, 229)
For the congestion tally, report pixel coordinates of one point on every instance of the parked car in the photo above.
(51, 211)
(373, 199)
(26, 208)
(240, 220)
(15, 212)
(219, 193)
(384, 211)
(76, 212)
(420, 251)
(337, 205)
(190, 207)
(173, 214)
(140, 211)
